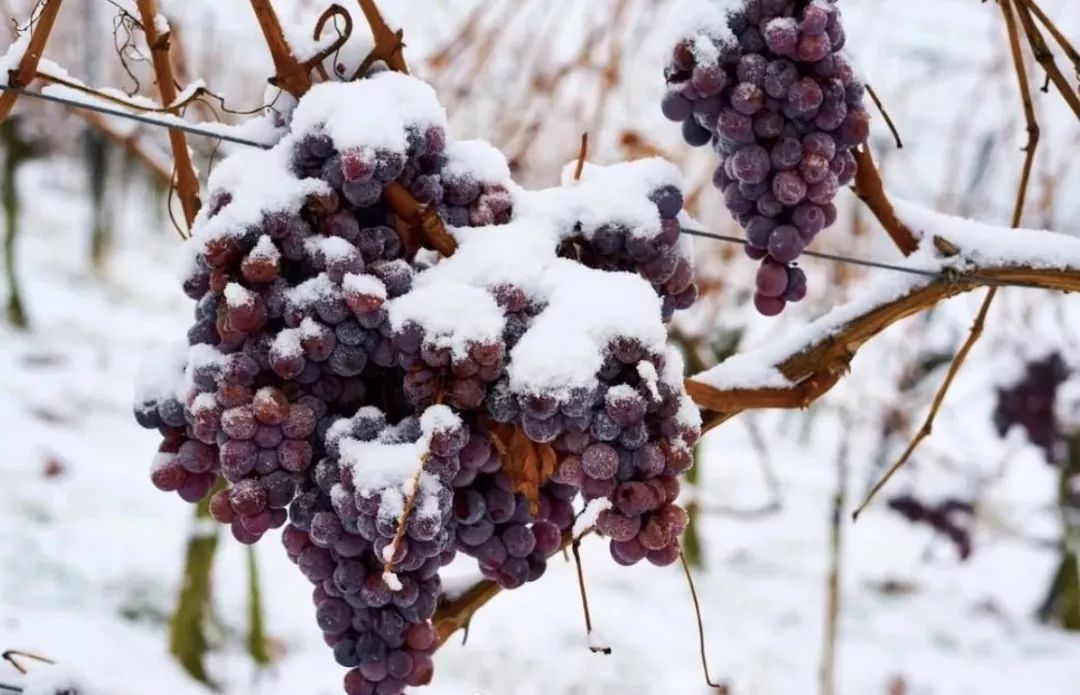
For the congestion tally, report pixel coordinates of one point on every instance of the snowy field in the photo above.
(91, 554)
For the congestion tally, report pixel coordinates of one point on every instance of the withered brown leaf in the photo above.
(528, 465)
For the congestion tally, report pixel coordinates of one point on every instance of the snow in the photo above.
(309, 292)
(13, 55)
(366, 285)
(586, 520)
(199, 357)
(454, 315)
(395, 470)
(265, 249)
(476, 158)
(515, 254)
(454, 585)
(986, 245)
(332, 248)
(705, 21)
(688, 414)
(616, 194)
(1068, 405)
(273, 190)
(564, 347)
(377, 466)
(647, 371)
(236, 295)
(596, 642)
(384, 108)
(161, 374)
(161, 24)
(390, 578)
(439, 418)
(310, 328)
(286, 344)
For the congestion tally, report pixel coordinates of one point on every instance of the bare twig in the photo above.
(980, 319)
(11, 654)
(827, 672)
(1045, 57)
(1059, 36)
(928, 424)
(1029, 111)
(332, 13)
(187, 184)
(454, 615)
(24, 73)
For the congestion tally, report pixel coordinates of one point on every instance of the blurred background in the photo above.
(960, 578)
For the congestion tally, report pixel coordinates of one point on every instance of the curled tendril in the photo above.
(333, 12)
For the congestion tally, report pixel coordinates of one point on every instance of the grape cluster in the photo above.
(625, 443)
(374, 553)
(951, 518)
(1030, 403)
(780, 104)
(318, 393)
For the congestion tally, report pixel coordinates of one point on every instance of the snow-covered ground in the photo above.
(90, 552)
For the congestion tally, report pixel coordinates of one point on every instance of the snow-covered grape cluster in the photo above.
(771, 90)
(391, 407)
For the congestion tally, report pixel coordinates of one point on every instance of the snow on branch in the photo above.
(955, 255)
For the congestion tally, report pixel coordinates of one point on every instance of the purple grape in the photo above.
(785, 244)
(772, 279)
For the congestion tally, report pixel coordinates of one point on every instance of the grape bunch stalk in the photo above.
(770, 89)
(394, 410)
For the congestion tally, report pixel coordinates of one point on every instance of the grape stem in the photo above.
(575, 548)
(399, 533)
(720, 687)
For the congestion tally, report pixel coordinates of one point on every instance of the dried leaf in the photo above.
(528, 465)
